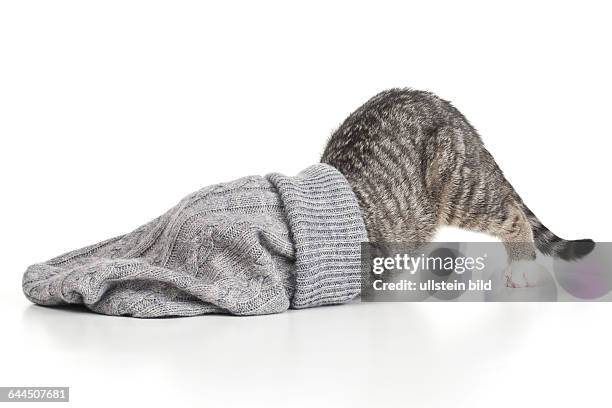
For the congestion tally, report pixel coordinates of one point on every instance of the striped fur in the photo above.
(415, 163)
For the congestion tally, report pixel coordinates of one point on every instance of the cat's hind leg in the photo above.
(516, 234)
(485, 202)
(509, 223)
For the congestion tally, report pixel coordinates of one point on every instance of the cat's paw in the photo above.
(521, 274)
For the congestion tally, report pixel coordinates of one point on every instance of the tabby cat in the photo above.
(415, 163)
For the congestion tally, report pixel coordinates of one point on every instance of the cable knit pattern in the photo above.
(252, 246)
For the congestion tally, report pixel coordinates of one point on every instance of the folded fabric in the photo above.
(253, 246)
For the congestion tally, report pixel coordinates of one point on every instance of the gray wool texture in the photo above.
(252, 246)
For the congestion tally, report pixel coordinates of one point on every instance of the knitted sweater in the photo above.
(253, 246)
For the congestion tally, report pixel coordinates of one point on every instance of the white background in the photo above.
(112, 111)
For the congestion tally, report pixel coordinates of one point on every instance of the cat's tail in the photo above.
(550, 244)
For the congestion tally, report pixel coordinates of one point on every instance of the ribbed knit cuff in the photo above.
(327, 229)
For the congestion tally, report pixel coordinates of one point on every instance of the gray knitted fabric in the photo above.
(253, 246)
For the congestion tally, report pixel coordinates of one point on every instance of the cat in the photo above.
(415, 163)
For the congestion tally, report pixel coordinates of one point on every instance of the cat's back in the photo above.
(391, 116)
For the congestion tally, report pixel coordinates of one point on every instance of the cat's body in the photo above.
(415, 163)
